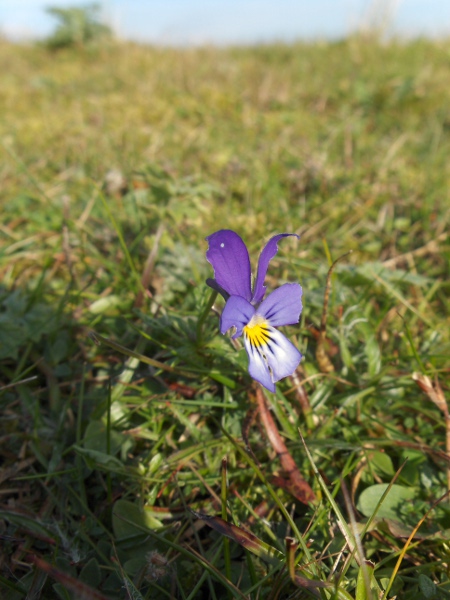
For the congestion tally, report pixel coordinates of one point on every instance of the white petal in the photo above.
(271, 361)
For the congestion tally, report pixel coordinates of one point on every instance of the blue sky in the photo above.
(235, 21)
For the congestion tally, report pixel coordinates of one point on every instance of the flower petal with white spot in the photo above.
(271, 355)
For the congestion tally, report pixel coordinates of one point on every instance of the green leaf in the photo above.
(129, 520)
(91, 574)
(103, 305)
(382, 463)
(94, 458)
(95, 438)
(390, 508)
(12, 336)
(22, 322)
(364, 580)
(61, 591)
(217, 376)
(371, 348)
(427, 587)
(26, 522)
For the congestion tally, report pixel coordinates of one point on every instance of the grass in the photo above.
(148, 472)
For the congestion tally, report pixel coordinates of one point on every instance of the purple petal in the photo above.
(236, 313)
(282, 306)
(268, 252)
(229, 258)
(271, 361)
(215, 286)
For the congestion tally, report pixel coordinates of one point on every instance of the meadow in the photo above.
(138, 458)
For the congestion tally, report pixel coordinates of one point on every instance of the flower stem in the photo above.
(204, 315)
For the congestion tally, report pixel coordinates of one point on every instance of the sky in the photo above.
(187, 22)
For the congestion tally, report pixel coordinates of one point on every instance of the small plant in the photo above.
(271, 356)
(78, 27)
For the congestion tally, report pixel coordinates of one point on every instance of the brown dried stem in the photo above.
(296, 485)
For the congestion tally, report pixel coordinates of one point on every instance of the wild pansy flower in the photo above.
(271, 355)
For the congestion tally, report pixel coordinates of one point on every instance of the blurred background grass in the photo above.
(116, 153)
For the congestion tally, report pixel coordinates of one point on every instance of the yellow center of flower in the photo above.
(257, 331)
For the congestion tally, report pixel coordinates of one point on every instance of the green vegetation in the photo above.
(78, 26)
(115, 166)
